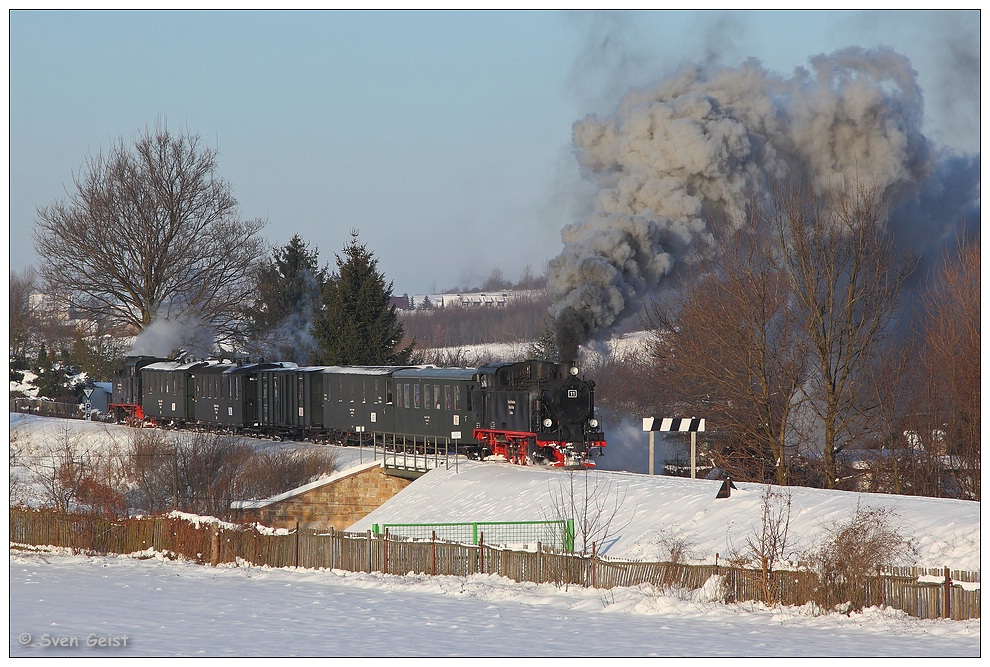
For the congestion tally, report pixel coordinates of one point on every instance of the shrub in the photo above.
(849, 560)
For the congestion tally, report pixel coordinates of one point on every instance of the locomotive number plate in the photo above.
(572, 393)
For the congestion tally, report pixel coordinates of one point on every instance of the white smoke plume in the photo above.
(166, 338)
(688, 154)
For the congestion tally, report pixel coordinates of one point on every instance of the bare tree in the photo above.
(767, 545)
(21, 313)
(448, 323)
(892, 464)
(731, 342)
(152, 469)
(56, 469)
(846, 282)
(276, 470)
(210, 472)
(74, 478)
(149, 231)
(592, 502)
(951, 357)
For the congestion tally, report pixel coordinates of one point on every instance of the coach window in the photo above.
(416, 395)
(446, 396)
(436, 395)
(405, 395)
(457, 397)
(427, 403)
(364, 390)
(340, 390)
(388, 392)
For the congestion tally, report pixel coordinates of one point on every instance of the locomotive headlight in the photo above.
(547, 423)
(574, 371)
(593, 423)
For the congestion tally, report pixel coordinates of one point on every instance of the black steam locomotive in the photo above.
(527, 412)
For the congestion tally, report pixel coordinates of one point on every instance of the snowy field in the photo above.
(649, 511)
(64, 605)
(143, 605)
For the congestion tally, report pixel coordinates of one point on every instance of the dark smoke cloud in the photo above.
(689, 153)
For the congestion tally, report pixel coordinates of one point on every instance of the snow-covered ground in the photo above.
(648, 510)
(646, 513)
(64, 605)
(172, 608)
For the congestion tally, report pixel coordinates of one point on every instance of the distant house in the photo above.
(481, 299)
(401, 302)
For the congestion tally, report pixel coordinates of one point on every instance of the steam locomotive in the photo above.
(531, 411)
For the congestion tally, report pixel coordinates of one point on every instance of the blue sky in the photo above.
(444, 137)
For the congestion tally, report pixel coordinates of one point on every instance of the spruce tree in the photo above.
(288, 292)
(358, 325)
(545, 346)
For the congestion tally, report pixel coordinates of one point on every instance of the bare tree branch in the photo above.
(148, 232)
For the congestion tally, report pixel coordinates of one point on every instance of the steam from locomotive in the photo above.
(695, 148)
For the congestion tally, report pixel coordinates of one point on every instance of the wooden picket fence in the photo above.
(919, 592)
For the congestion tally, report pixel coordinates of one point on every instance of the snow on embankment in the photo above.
(654, 509)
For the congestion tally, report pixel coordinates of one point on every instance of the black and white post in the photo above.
(683, 425)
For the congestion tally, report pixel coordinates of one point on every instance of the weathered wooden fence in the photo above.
(923, 593)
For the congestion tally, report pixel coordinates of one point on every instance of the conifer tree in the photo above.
(288, 291)
(545, 346)
(358, 325)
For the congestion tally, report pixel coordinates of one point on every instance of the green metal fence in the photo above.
(557, 534)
